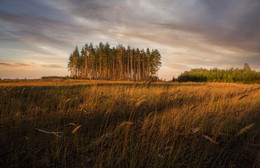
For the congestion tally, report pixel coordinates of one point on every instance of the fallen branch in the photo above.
(48, 132)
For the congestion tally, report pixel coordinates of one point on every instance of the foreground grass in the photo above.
(125, 124)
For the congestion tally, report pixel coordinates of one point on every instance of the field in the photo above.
(74, 123)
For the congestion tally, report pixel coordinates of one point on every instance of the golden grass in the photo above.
(128, 124)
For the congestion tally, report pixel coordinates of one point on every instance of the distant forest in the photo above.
(116, 63)
(245, 75)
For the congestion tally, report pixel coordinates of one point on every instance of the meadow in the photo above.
(77, 123)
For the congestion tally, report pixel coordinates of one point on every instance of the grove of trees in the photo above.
(116, 63)
(245, 75)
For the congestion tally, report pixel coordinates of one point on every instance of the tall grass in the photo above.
(126, 124)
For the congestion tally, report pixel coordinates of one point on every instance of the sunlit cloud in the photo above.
(30, 66)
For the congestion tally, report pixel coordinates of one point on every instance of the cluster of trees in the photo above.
(116, 63)
(245, 75)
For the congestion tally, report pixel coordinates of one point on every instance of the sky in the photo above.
(37, 36)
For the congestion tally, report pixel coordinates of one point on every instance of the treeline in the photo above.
(245, 75)
(116, 63)
(55, 77)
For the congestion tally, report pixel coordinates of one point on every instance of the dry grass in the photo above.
(128, 124)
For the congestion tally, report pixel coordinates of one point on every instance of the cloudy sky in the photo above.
(37, 36)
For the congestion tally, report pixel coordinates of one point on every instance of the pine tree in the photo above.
(157, 62)
(131, 65)
(75, 62)
(148, 55)
(81, 63)
(86, 61)
(70, 65)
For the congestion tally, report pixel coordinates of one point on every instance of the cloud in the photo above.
(52, 66)
(198, 33)
(31, 65)
(5, 64)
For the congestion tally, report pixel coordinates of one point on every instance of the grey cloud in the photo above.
(41, 27)
(226, 22)
(234, 23)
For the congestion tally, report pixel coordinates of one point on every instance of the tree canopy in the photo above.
(114, 63)
(245, 75)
